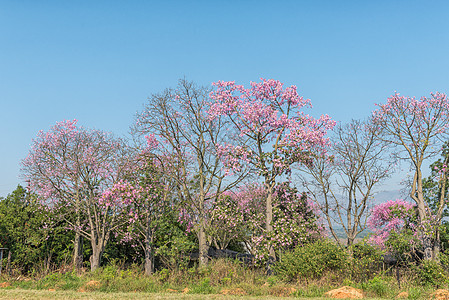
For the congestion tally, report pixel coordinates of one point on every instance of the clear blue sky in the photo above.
(98, 61)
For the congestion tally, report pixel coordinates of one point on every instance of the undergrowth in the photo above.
(229, 277)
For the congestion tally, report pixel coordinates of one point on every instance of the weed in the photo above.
(311, 291)
(203, 287)
(414, 293)
(377, 286)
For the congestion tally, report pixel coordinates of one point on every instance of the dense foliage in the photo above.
(36, 237)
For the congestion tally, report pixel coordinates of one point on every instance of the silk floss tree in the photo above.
(74, 167)
(274, 132)
(418, 127)
(147, 197)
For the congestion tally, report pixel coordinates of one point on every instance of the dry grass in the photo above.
(20, 294)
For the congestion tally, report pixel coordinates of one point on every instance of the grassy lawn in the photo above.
(45, 294)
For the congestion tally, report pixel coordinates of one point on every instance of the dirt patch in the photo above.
(5, 284)
(346, 292)
(92, 285)
(402, 295)
(440, 294)
(236, 291)
(281, 291)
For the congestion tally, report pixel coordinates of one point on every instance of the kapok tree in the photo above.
(146, 195)
(274, 132)
(239, 216)
(71, 167)
(418, 127)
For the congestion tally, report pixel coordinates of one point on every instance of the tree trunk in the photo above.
(78, 252)
(148, 254)
(8, 264)
(350, 241)
(427, 245)
(148, 262)
(95, 258)
(269, 219)
(78, 243)
(418, 196)
(436, 246)
(203, 247)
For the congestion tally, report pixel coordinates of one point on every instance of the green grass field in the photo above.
(45, 294)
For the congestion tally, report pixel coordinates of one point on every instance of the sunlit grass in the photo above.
(45, 294)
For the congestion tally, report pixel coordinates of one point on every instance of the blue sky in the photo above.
(98, 61)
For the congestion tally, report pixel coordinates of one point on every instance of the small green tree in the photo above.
(36, 239)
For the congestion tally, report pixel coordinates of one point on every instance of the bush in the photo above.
(444, 260)
(366, 263)
(311, 261)
(312, 291)
(431, 273)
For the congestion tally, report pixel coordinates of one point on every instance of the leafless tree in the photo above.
(343, 181)
(178, 120)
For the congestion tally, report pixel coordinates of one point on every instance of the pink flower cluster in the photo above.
(267, 112)
(418, 121)
(240, 215)
(390, 216)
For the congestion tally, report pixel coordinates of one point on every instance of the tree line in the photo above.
(229, 166)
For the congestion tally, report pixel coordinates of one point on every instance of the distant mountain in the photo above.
(384, 196)
(378, 198)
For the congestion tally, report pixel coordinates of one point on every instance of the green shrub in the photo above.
(431, 273)
(366, 261)
(399, 244)
(163, 275)
(444, 260)
(311, 261)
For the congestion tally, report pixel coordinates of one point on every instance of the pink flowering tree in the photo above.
(395, 227)
(178, 122)
(74, 168)
(418, 127)
(239, 216)
(274, 132)
(146, 196)
(295, 223)
(227, 222)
